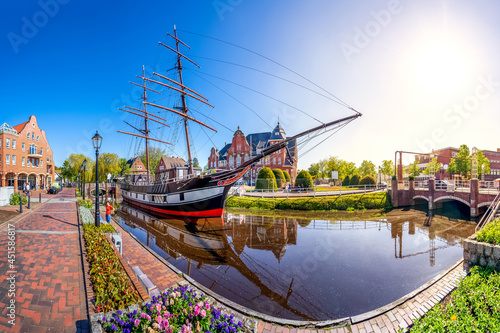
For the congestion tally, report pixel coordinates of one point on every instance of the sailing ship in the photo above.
(190, 195)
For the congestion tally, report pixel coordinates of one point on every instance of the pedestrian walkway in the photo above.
(49, 286)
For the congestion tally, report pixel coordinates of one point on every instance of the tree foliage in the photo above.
(108, 163)
(483, 164)
(414, 169)
(196, 163)
(355, 180)
(433, 165)
(124, 167)
(73, 164)
(461, 165)
(155, 155)
(387, 168)
(367, 168)
(368, 180)
(304, 179)
(346, 181)
(266, 180)
(280, 177)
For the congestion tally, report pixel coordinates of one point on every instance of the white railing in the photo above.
(421, 185)
(488, 187)
(406, 184)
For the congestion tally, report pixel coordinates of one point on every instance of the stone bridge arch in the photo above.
(486, 203)
(451, 197)
(420, 197)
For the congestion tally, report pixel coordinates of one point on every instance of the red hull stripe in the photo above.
(202, 213)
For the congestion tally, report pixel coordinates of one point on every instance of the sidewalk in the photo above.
(49, 286)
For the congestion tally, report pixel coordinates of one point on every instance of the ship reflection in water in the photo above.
(304, 269)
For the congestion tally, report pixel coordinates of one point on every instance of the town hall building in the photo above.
(242, 148)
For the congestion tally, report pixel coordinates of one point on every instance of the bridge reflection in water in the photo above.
(304, 269)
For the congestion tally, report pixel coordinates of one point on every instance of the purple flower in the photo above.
(104, 319)
(119, 312)
(113, 327)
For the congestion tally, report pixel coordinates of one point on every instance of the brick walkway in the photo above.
(390, 318)
(50, 295)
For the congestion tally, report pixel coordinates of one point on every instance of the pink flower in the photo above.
(148, 317)
(137, 322)
(196, 311)
(143, 315)
(158, 307)
(200, 304)
(207, 306)
(159, 319)
(203, 313)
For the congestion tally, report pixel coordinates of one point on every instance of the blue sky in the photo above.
(424, 73)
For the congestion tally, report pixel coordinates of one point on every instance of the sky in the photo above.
(424, 74)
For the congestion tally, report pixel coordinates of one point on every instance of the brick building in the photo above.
(25, 156)
(242, 148)
(445, 155)
(173, 168)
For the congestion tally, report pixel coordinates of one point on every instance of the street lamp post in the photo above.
(96, 141)
(83, 180)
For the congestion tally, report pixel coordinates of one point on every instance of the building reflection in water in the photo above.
(230, 256)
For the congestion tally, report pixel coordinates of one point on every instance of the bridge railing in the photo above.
(488, 187)
(421, 185)
(406, 184)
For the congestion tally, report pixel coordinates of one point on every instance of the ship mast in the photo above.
(146, 130)
(184, 108)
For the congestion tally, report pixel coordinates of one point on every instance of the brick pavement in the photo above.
(50, 294)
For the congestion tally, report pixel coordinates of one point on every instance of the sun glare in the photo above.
(441, 65)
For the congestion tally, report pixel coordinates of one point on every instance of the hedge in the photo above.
(266, 180)
(355, 180)
(368, 180)
(304, 179)
(280, 177)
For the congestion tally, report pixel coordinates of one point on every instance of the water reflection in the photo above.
(306, 269)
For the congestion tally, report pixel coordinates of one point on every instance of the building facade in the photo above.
(242, 148)
(25, 156)
(445, 155)
(173, 168)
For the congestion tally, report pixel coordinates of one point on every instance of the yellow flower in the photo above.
(453, 317)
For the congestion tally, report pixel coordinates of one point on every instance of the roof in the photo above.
(5, 128)
(173, 162)
(223, 151)
(278, 133)
(19, 127)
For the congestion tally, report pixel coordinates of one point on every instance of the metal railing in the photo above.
(490, 214)
(421, 185)
(486, 187)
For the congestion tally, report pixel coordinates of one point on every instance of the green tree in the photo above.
(304, 178)
(433, 164)
(414, 169)
(387, 168)
(155, 155)
(280, 177)
(483, 164)
(108, 163)
(314, 169)
(124, 167)
(73, 164)
(288, 179)
(368, 180)
(196, 164)
(355, 180)
(266, 180)
(461, 164)
(367, 168)
(332, 164)
(346, 181)
(347, 169)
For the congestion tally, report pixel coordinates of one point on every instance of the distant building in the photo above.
(25, 156)
(242, 148)
(444, 156)
(173, 168)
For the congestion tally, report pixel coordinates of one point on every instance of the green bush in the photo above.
(346, 181)
(112, 288)
(355, 180)
(368, 180)
(474, 306)
(280, 177)
(379, 200)
(87, 203)
(266, 180)
(410, 178)
(15, 199)
(490, 233)
(288, 179)
(304, 179)
(394, 177)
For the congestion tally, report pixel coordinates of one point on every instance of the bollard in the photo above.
(29, 200)
(21, 204)
(40, 197)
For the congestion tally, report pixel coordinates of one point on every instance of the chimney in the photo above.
(498, 150)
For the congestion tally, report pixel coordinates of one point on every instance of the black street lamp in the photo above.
(96, 141)
(83, 180)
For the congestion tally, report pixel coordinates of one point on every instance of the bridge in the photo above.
(476, 194)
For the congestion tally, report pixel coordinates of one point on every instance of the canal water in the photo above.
(306, 268)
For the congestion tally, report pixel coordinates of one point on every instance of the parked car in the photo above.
(441, 185)
(382, 184)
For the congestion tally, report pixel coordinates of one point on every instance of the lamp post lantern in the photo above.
(96, 142)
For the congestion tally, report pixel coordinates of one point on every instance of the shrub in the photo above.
(288, 179)
(15, 199)
(367, 180)
(87, 203)
(410, 178)
(346, 181)
(176, 310)
(490, 233)
(112, 288)
(355, 180)
(394, 177)
(280, 177)
(266, 180)
(304, 179)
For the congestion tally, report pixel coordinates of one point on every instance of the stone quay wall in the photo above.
(480, 254)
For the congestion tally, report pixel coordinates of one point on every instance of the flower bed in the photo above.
(111, 285)
(474, 306)
(176, 310)
(490, 233)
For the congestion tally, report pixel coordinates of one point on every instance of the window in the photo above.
(41, 164)
(23, 147)
(29, 160)
(47, 149)
(279, 160)
(37, 138)
(13, 159)
(28, 135)
(33, 136)
(7, 143)
(7, 159)
(274, 160)
(454, 155)
(41, 151)
(13, 144)
(23, 162)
